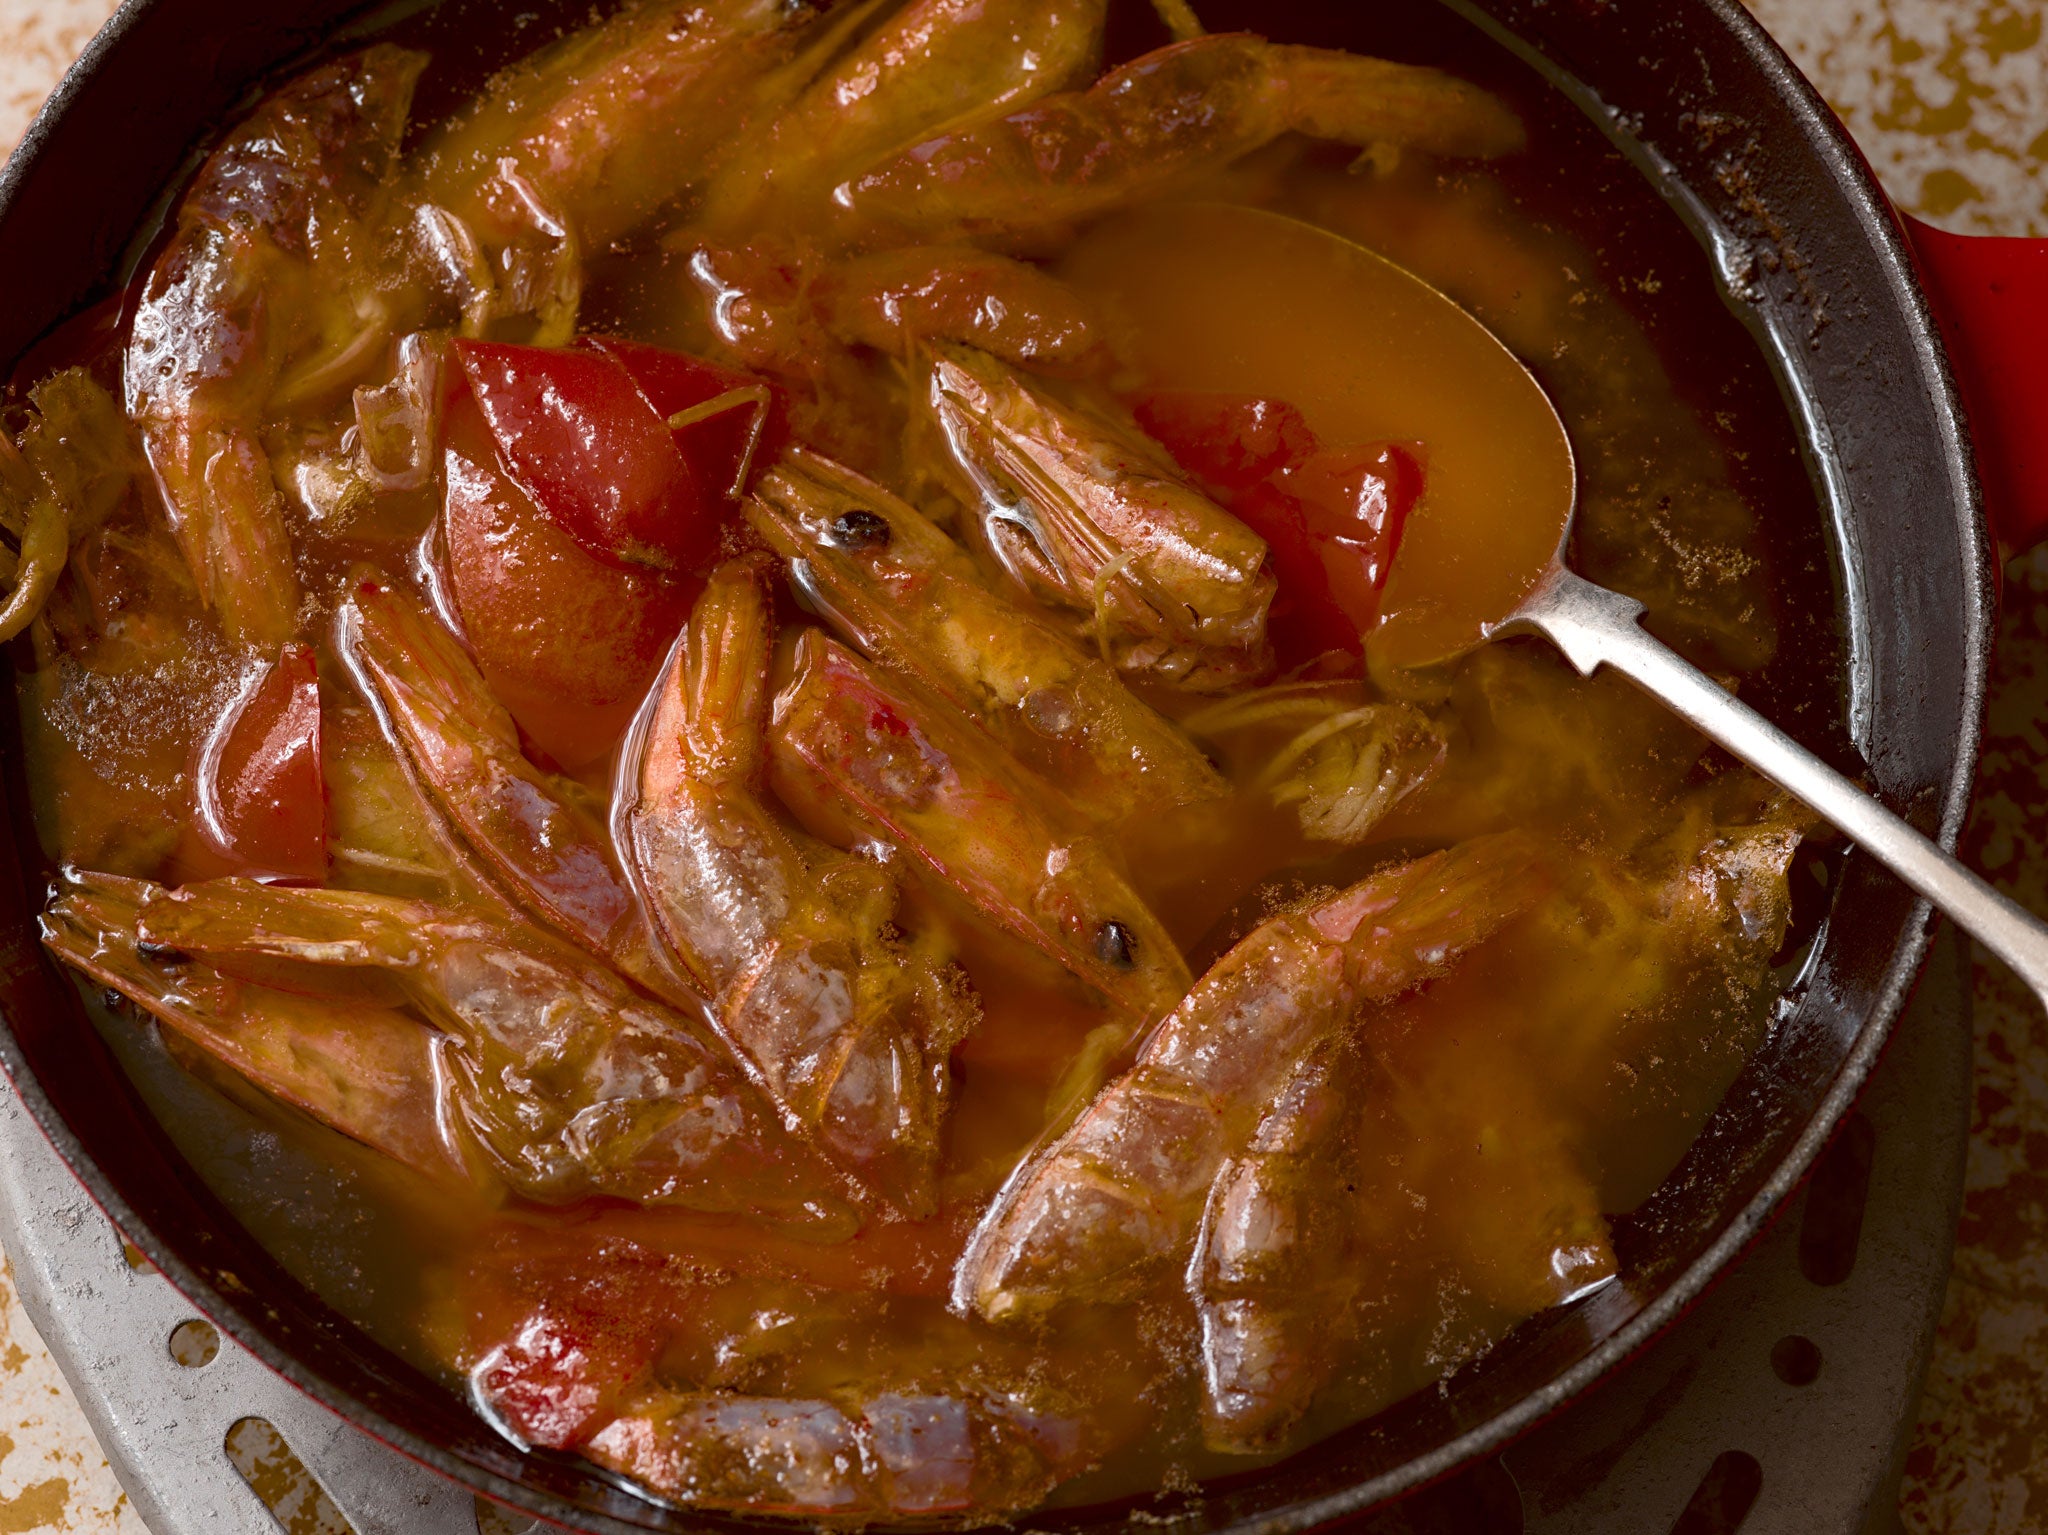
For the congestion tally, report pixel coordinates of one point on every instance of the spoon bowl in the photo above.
(1368, 352)
(1271, 301)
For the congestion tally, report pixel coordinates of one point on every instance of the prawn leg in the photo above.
(845, 1028)
(1338, 758)
(1097, 1212)
(1160, 120)
(903, 591)
(1090, 518)
(279, 214)
(923, 777)
(572, 1079)
(371, 1073)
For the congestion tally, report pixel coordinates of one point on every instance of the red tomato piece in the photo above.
(1230, 441)
(1305, 620)
(575, 432)
(261, 800)
(560, 1379)
(725, 449)
(569, 643)
(1356, 503)
(565, 1327)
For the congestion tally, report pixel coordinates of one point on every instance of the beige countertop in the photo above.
(1950, 100)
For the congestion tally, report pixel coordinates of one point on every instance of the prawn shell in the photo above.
(928, 781)
(844, 1029)
(915, 600)
(1090, 517)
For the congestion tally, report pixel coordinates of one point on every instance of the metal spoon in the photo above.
(1237, 299)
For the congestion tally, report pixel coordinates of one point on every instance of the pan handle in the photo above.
(1990, 297)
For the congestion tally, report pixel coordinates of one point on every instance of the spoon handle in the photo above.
(1594, 627)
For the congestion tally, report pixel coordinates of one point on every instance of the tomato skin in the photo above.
(1355, 502)
(261, 799)
(584, 431)
(717, 447)
(1306, 619)
(568, 643)
(1229, 441)
(564, 1331)
(1332, 518)
(579, 439)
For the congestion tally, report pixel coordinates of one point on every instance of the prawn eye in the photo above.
(860, 529)
(161, 953)
(1114, 945)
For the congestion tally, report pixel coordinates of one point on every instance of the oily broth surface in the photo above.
(1534, 1047)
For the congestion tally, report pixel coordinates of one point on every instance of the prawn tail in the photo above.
(724, 673)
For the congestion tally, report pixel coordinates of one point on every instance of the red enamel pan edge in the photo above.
(1989, 295)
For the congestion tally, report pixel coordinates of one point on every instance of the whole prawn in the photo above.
(536, 834)
(1094, 1214)
(368, 1071)
(574, 1081)
(851, 743)
(900, 1453)
(1159, 120)
(847, 1027)
(574, 149)
(261, 267)
(693, 1384)
(930, 66)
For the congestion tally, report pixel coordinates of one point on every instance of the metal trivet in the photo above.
(1779, 1406)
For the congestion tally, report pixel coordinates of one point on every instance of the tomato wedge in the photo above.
(1230, 442)
(1355, 502)
(564, 1329)
(1305, 620)
(1332, 518)
(261, 802)
(739, 422)
(568, 642)
(585, 432)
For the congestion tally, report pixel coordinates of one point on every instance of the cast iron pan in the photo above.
(1768, 220)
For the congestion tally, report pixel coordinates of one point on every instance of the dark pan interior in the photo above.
(1781, 231)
